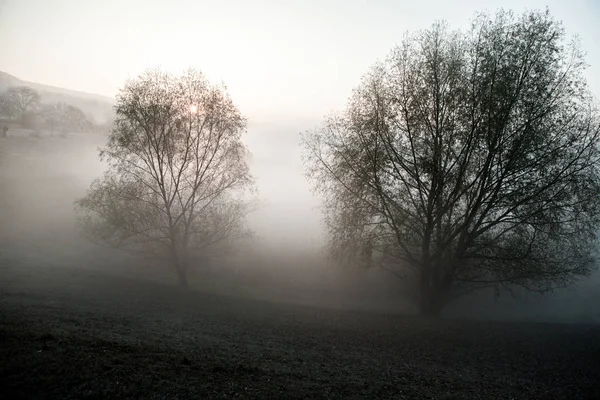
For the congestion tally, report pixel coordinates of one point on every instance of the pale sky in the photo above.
(286, 63)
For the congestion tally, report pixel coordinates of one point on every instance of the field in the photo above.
(69, 333)
(77, 323)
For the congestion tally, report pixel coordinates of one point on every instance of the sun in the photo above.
(193, 109)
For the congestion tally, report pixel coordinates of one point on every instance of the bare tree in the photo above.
(467, 160)
(22, 99)
(176, 168)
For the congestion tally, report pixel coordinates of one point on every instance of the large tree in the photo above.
(177, 170)
(466, 160)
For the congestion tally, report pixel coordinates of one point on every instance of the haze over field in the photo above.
(285, 64)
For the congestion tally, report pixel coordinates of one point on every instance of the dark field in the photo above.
(74, 334)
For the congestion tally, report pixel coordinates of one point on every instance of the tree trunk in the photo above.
(182, 274)
(431, 298)
(181, 268)
(431, 307)
(179, 262)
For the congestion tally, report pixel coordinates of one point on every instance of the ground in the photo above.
(69, 333)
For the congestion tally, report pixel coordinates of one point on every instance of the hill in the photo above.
(100, 107)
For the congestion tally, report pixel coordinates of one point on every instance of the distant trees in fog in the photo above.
(177, 171)
(23, 105)
(466, 160)
(65, 118)
(22, 99)
(6, 107)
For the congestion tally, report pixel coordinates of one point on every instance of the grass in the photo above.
(75, 333)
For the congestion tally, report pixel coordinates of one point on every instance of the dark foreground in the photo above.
(76, 334)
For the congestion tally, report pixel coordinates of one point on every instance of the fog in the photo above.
(290, 212)
(209, 309)
(286, 67)
(41, 177)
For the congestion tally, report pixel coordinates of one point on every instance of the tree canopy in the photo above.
(466, 160)
(177, 169)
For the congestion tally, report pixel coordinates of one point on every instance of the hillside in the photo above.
(100, 107)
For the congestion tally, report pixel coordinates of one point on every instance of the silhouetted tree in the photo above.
(176, 164)
(467, 160)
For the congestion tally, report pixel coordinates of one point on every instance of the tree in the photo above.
(23, 99)
(51, 115)
(6, 109)
(65, 117)
(75, 120)
(465, 161)
(176, 165)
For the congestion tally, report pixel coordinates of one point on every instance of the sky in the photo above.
(286, 63)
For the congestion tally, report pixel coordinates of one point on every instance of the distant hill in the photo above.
(100, 107)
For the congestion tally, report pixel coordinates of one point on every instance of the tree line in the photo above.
(464, 160)
(23, 106)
